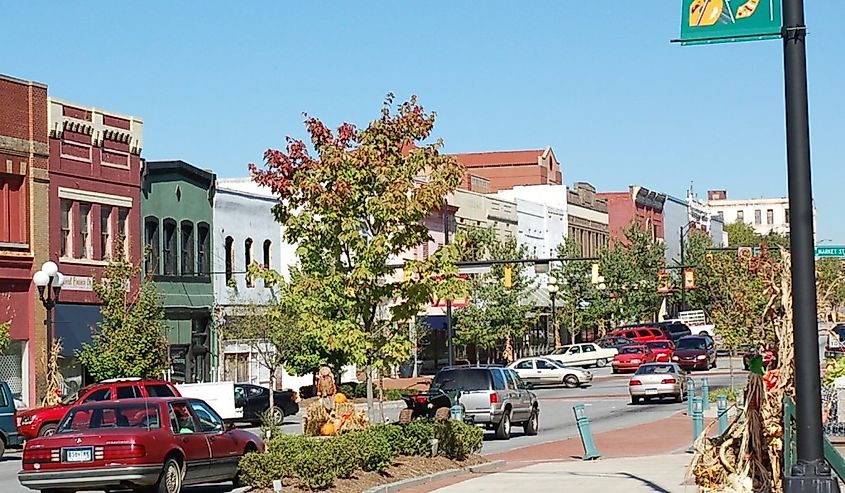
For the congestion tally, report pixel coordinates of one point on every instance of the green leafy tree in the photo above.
(696, 245)
(741, 234)
(129, 341)
(5, 338)
(579, 300)
(496, 315)
(830, 286)
(357, 203)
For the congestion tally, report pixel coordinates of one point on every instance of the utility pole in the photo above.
(683, 266)
(811, 472)
(450, 349)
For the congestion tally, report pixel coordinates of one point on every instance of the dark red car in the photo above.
(43, 421)
(662, 350)
(631, 357)
(158, 444)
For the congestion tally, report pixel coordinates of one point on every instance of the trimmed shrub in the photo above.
(260, 470)
(418, 436)
(312, 468)
(345, 456)
(458, 440)
(373, 449)
(394, 435)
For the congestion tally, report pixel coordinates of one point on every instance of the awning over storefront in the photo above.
(73, 324)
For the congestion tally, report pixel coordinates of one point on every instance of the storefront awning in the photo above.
(73, 324)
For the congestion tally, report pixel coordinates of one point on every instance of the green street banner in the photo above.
(728, 21)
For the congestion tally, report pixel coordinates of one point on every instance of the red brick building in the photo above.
(23, 229)
(95, 190)
(506, 169)
(637, 204)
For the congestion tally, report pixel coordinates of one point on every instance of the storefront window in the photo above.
(11, 370)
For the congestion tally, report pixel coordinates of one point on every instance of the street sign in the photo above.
(830, 252)
(729, 21)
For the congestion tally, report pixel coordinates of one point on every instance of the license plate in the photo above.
(79, 454)
(650, 391)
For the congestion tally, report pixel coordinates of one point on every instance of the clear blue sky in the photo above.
(219, 82)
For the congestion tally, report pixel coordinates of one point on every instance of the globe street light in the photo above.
(551, 287)
(49, 282)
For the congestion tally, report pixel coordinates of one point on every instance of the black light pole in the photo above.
(450, 349)
(810, 473)
(551, 287)
(49, 283)
(683, 266)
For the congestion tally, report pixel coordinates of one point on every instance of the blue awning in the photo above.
(73, 324)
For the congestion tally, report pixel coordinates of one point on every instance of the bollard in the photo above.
(590, 451)
(705, 394)
(690, 395)
(697, 421)
(722, 407)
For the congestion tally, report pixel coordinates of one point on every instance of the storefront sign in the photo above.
(78, 283)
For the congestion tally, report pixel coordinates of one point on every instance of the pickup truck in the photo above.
(585, 354)
(9, 436)
(219, 395)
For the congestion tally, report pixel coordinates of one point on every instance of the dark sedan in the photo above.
(695, 353)
(615, 342)
(255, 401)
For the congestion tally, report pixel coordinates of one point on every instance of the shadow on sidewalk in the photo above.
(598, 475)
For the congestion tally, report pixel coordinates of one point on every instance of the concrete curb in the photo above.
(387, 405)
(430, 478)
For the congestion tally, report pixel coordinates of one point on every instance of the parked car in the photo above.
(662, 350)
(676, 329)
(544, 371)
(255, 401)
(615, 342)
(835, 347)
(160, 444)
(695, 353)
(43, 421)
(584, 354)
(631, 357)
(658, 380)
(9, 436)
(492, 397)
(641, 333)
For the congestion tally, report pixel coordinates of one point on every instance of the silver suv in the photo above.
(493, 397)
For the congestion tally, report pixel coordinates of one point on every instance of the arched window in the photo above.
(151, 242)
(230, 257)
(203, 249)
(187, 248)
(248, 260)
(267, 246)
(171, 264)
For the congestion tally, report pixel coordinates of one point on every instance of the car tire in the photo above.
(170, 480)
(2, 448)
(679, 397)
(277, 415)
(714, 364)
(601, 363)
(635, 400)
(615, 371)
(532, 426)
(571, 381)
(503, 429)
(47, 430)
(406, 416)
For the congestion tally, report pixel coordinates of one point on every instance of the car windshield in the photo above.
(652, 369)
(110, 416)
(659, 344)
(631, 350)
(678, 328)
(561, 350)
(692, 344)
(462, 379)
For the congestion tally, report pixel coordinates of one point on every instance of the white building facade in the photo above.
(765, 215)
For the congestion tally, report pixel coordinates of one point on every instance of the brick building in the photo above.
(588, 218)
(506, 169)
(23, 230)
(637, 204)
(95, 188)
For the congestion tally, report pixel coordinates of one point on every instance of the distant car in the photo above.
(676, 329)
(544, 371)
(9, 436)
(631, 357)
(662, 350)
(658, 380)
(641, 333)
(695, 353)
(255, 400)
(584, 354)
(154, 444)
(614, 342)
(43, 421)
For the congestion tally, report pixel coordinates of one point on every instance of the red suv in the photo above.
(641, 333)
(43, 421)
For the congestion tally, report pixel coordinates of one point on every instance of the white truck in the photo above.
(219, 395)
(697, 321)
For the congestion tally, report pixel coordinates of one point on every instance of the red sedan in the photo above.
(662, 350)
(631, 357)
(159, 444)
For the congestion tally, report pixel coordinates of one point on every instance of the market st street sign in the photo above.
(830, 252)
(729, 21)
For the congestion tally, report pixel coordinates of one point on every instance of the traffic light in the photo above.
(508, 276)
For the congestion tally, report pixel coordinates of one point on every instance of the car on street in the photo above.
(544, 371)
(255, 401)
(695, 353)
(614, 342)
(641, 333)
(631, 357)
(493, 397)
(9, 436)
(43, 421)
(583, 354)
(675, 328)
(152, 444)
(656, 381)
(662, 350)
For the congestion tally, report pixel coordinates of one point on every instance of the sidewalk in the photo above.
(649, 457)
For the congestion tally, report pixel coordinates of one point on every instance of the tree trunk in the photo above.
(272, 387)
(370, 407)
(381, 395)
(477, 356)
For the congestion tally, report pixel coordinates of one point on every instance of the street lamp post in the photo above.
(49, 282)
(551, 286)
(683, 266)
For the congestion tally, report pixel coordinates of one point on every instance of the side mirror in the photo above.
(529, 386)
(229, 425)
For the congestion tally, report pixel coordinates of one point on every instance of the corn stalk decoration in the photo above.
(52, 395)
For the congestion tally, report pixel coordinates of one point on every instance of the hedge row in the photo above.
(317, 463)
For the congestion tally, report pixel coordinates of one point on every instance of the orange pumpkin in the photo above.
(327, 429)
(340, 398)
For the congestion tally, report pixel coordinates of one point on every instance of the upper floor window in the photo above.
(267, 247)
(786, 216)
(740, 216)
(85, 250)
(203, 249)
(230, 257)
(770, 216)
(758, 216)
(105, 232)
(151, 239)
(187, 248)
(13, 207)
(248, 260)
(122, 228)
(65, 246)
(170, 261)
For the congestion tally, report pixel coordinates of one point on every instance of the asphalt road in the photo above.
(607, 404)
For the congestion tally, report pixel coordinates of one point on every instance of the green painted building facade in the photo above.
(176, 216)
